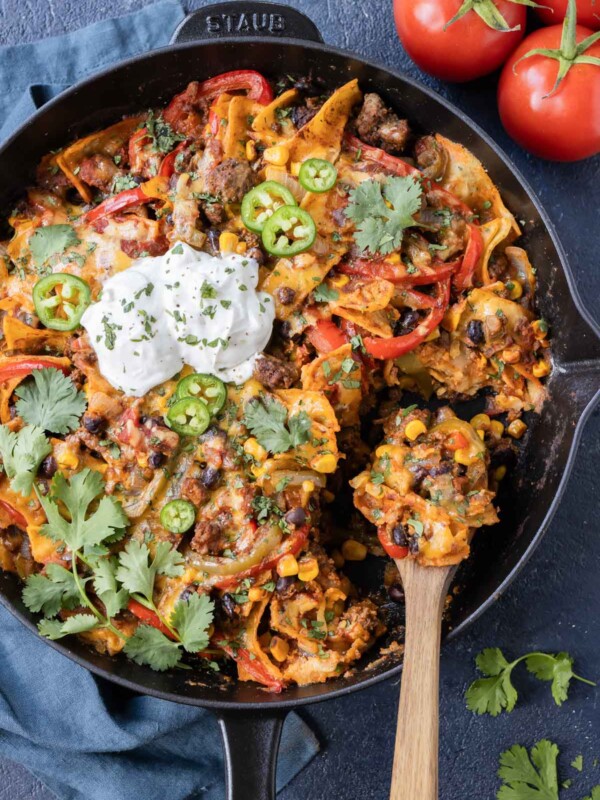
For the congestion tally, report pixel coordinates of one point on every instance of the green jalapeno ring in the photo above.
(208, 388)
(188, 416)
(317, 175)
(178, 516)
(260, 203)
(73, 300)
(290, 231)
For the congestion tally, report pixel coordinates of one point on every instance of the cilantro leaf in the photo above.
(51, 240)
(529, 777)
(192, 619)
(84, 530)
(266, 418)
(137, 570)
(105, 585)
(495, 693)
(51, 592)
(577, 763)
(151, 647)
(22, 453)
(595, 794)
(161, 133)
(557, 669)
(78, 623)
(325, 294)
(50, 400)
(382, 211)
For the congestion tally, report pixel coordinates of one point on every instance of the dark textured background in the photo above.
(554, 604)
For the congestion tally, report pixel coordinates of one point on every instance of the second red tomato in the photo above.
(466, 49)
(552, 12)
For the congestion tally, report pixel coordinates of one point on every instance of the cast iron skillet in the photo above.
(276, 40)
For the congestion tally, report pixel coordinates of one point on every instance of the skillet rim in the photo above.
(273, 703)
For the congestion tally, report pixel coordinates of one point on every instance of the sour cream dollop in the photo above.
(184, 307)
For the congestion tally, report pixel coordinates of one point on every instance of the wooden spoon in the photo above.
(415, 770)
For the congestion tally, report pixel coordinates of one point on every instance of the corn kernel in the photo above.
(333, 595)
(496, 428)
(353, 550)
(295, 168)
(326, 463)
(511, 355)
(67, 460)
(287, 566)
(541, 369)
(481, 434)
(308, 569)
(394, 258)
(279, 648)
(228, 242)
(464, 456)
(414, 429)
(500, 473)
(383, 450)
(250, 150)
(241, 248)
(308, 486)
(142, 460)
(278, 155)
(373, 490)
(517, 428)
(481, 422)
(340, 280)
(255, 594)
(515, 290)
(540, 329)
(337, 558)
(254, 449)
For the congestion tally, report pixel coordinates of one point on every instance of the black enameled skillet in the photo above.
(277, 40)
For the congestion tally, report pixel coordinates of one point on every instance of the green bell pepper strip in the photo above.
(207, 388)
(290, 231)
(317, 175)
(178, 516)
(189, 416)
(260, 203)
(60, 300)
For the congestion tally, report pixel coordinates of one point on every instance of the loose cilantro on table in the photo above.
(529, 776)
(496, 692)
(22, 453)
(595, 794)
(51, 240)
(50, 400)
(382, 212)
(266, 418)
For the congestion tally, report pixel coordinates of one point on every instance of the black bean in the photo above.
(475, 331)
(156, 460)
(94, 424)
(229, 605)
(284, 583)
(210, 477)
(407, 321)
(396, 593)
(48, 466)
(187, 593)
(296, 517)
(399, 535)
(443, 469)
(413, 545)
(286, 295)
(419, 474)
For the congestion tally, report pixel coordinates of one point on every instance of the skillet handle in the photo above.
(251, 742)
(237, 18)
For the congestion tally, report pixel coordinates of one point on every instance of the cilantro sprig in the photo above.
(22, 453)
(50, 400)
(382, 212)
(529, 776)
(496, 693)
(267, 419)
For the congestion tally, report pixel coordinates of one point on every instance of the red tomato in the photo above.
(467, 49)
(588, 12)
(564, 126)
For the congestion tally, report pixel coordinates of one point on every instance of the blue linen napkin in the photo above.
(83, 737)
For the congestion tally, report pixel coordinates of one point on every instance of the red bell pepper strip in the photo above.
(393, 550)
(15, 515)
(127, 199)
(22, 368)
(378, 156)
(399, 345)
(325, 336)
(396, 273)
(149, 617)
(292, 545)
(254, 668)
(463, 278)
(167, 167)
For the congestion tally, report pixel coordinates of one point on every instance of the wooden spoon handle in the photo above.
(415, 770)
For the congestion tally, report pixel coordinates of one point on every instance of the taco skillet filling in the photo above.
(211, 314)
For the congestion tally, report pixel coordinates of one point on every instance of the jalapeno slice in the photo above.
(317, 175)
(260, 203)
(178, 516)
(60, 300)
(207, 388)
(289, 231)
(189, 416)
